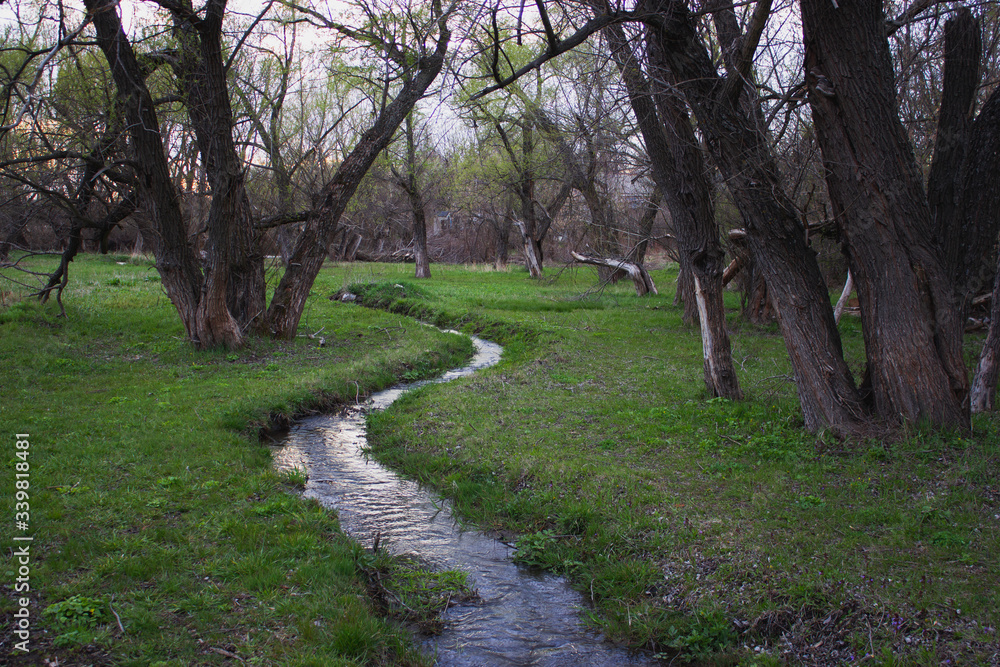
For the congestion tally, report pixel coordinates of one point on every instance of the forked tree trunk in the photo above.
(910, 320)
(776, 237)
(679, 171)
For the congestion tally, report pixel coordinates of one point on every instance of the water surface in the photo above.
(522, 617)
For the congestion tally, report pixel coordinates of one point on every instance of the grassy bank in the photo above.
(161, 534)
(703, 529)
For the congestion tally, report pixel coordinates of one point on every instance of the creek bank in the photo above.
(521, 616)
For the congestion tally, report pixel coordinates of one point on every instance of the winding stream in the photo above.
(522, 617)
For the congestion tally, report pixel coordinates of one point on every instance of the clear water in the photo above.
(522, 617)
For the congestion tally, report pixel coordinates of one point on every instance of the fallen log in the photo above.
(640, 277)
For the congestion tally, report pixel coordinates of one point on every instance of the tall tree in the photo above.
(680, 173)
(911, 321)
(218, 306)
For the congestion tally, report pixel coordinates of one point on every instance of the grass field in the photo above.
(705, 530)
(701, 528)
(161, 534)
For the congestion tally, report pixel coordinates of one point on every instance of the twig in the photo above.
(117, 617)
(228, 654)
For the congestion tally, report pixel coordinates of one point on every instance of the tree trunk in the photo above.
(679, 171)
(289, 298)
(532, 257)
(179, 272)
(912, 327)
(963, 46)
(423, 265)
(776, 237)
(844, 296)
(984, 383)
(978, 219)
(645, 229)
(501, 232)
(234, 291)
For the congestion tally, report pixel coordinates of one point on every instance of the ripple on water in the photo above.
(522, 617)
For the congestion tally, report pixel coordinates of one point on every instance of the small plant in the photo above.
(542, 550)
(296, 477)
(78, 611)
(698, 637)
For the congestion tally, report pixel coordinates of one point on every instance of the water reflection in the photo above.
(522, 617)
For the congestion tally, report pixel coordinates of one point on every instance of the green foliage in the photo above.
(698, 636)
(77, 611)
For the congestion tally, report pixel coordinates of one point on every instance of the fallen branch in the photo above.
(640, 277)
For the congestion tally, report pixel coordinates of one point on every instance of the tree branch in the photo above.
(552, 51)
(745, 53)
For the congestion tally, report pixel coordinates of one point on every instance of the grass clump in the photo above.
(412, 591)
(162, 535)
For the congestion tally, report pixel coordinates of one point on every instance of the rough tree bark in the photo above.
(233, 297)
(175, 260)
(679, 171)
(739, 146)
(978, 218)
(911, 323)
(963, 47)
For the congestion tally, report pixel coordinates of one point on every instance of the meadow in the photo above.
(704, 530)
(162, 536)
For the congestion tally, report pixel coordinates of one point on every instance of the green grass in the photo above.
(701, 528)
(161, 533)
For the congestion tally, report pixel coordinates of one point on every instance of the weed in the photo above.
(77, 611)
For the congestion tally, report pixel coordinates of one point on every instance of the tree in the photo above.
(680, 173)
(219, 304)
(911, 319)
(416, 67)
(408, 181)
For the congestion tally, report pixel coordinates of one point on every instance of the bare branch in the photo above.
(246, 34)
(748, 46)
(39, 71)
(910, 14)
(552, 51)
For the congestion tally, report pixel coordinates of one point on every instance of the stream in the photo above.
(522, 617)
